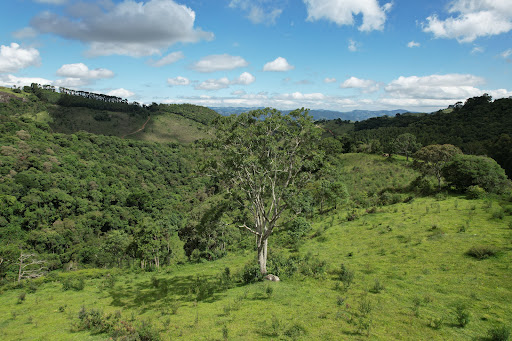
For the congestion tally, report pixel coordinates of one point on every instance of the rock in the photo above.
(272, 278)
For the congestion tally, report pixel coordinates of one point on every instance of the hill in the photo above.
(69, 112)
(480, 126)
(428, 268)
(110, 237)
(354, 115)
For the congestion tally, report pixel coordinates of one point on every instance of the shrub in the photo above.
(461, 314)
(498, 333)
(251, 273)
(472, 170)
(22, 297)
(475, 192)
(377, 287)
(346, 276)
(482, 252)
(435, 322)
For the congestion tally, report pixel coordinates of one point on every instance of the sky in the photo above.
(320, 54)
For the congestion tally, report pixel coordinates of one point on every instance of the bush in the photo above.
(461, 314)
(498, 333)
(251, 273)
(475, 192)
(482, 252)
(346, 276)
(471, 170)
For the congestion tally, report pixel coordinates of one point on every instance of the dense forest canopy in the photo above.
(480, 126)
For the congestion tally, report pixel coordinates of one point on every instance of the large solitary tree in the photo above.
(266, 158)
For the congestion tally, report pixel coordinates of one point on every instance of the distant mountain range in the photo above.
(354, 115)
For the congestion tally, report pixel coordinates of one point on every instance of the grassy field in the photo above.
(408, 275)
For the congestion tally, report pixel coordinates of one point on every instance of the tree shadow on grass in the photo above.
(156, 292)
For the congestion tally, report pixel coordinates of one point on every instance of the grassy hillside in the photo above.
(168, 123)
(411, 270)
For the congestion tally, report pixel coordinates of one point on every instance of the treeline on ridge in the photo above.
(480, 127)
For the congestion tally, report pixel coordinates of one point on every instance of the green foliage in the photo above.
(482, 252)
(462, 314)
(498, 333)
(465, 171)
(434, 158)
(475, 192)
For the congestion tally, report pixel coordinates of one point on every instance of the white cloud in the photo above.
(258, 11)
(365, 85)
(178, 81)
(80, 70)
(477, 49)
(474, 19)
(221, 62)
(412, 44)
(123, 93)
(506, 54)
(245, 79)
(439, 87)
(125, 28)
(280, 64)
(169, 59)
(14, 58)
(329, 80)
(343, 12)
(352, 45)
(71, 82)
(10, 80)
(216, 84)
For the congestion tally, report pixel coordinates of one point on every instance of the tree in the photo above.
(266, 158)
(405, 144)
(472, 170)
(30, 267)
(434, 158)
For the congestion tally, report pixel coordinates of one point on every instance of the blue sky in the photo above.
(320, 54)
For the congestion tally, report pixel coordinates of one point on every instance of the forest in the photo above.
(383, 226)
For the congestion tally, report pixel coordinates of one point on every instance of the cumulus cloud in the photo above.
(14, 58)
(280, 64)
(71, 82)
(343, 12)
(82, 71)
(365, 85)
(123, 93)
(169, 59)
(220, 62)
(472, 19)
(244, 79)
(125, 28)
(329, 80)
(412, 44)
(450, 86)
(258, 11)
(216, 84)
(10, 80)
(178, 81)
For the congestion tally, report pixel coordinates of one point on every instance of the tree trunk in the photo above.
(262, 256)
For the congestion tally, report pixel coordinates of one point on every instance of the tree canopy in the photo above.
(266, 157)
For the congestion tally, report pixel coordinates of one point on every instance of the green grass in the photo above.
(414, 251)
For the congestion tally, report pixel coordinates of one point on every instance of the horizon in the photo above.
(338, 56)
